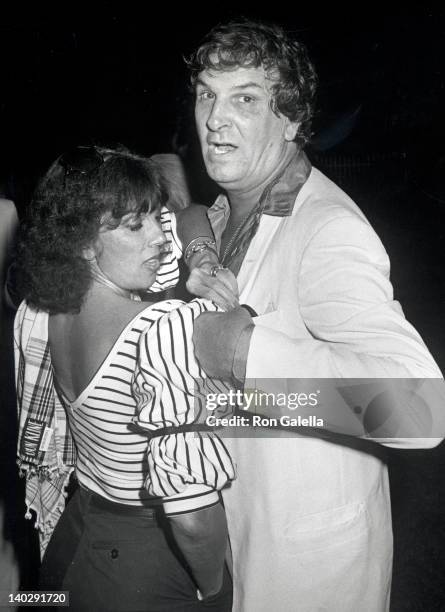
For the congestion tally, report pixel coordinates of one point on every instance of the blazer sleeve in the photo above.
(356, 329)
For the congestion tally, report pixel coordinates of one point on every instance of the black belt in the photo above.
(101, 503)
(166, 431)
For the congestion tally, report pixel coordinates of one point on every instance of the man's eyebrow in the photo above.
(199, 81)
(250, 84)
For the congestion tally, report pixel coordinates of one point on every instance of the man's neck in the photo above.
(242, 202)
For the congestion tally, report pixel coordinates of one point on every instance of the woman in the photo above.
(93, 240)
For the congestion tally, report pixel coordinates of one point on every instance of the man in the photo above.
(309, 518)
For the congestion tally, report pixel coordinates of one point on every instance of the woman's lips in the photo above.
(153, 264)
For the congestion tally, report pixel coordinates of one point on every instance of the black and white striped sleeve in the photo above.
(168, 273)
(186, 468)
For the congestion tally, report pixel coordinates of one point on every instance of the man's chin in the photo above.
(222, 176)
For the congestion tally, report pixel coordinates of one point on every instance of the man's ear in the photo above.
(291, 129)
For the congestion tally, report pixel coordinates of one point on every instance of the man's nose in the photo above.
(219, 116)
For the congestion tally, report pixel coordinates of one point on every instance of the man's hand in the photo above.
(222, 341)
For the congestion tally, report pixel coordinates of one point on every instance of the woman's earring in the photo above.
(89, 254)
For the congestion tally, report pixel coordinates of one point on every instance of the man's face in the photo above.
(242, 139)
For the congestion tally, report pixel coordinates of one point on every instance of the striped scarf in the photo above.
(46, 453)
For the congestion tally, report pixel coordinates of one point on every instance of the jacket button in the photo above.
(114, 553)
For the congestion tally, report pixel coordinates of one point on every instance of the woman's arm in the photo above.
(202, 539)
(207, 279)
(192, 222)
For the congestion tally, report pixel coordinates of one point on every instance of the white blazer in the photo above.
(310, 520)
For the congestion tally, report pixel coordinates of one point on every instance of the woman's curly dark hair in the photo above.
(67, 210)
(247, 43)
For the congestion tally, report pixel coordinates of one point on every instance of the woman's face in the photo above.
(129, 255)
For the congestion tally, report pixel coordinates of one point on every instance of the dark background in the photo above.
(71, 77)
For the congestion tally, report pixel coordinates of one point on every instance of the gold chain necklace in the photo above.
(234, 237)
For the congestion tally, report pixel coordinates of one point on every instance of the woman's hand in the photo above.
(208, 280)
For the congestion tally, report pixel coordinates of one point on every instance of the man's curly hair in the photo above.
(67, 210)
(246, 43)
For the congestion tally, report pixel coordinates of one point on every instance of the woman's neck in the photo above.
(100, 278)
